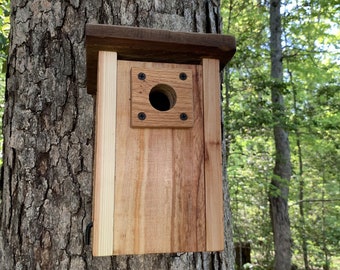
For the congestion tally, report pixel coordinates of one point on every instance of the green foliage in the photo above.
(4, 32)
(312, 115)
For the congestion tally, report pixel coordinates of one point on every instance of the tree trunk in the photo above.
(278, 195)
(48, 133)
(302, 221)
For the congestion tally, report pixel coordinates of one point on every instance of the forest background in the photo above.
(311, 89)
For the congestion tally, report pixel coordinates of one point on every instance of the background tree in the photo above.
(310, 30)
(279, 189)
(48, 133)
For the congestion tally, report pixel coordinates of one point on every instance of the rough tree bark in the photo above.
(48, 133)
(278, 195)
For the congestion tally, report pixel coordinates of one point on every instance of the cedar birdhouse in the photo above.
(157, 160)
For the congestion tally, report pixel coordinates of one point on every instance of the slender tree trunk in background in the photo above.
(301, 204)
(326, 264)
(301, 182)
(46, 199)
(278, 195)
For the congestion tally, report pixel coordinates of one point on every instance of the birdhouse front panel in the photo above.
(159, 185)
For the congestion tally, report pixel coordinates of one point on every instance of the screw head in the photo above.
(183, 116)
(183, 76)
(141, 116)
(141, 76)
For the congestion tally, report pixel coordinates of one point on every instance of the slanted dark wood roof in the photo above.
(145, 44)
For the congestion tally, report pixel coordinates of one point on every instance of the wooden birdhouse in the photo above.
(157, 160)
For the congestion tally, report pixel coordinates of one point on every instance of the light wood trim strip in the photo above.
(213, 157)
(105, 154)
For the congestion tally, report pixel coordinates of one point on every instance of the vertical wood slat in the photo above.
(105, 160)
(213, 157)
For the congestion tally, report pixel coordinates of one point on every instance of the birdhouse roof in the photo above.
(153, 45)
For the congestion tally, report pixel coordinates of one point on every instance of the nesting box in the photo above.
(157, 160)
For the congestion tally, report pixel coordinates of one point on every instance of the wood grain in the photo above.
(153, 45)
(105, 157)
(159, 188)
(169, 78)
(213, 155)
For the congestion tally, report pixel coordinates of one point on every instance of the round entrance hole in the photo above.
(162, 97)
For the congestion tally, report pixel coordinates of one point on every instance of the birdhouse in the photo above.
(157, 160)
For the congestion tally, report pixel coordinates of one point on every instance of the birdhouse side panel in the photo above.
(104, 169)
(213, 155)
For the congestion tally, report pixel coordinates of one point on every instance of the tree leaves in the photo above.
(311, 86)
(4, 30)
